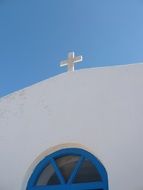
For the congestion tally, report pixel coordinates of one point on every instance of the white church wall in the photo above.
(99, 109)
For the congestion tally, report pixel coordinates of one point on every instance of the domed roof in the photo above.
(98, 108)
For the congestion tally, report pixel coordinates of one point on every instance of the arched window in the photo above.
(69, 169)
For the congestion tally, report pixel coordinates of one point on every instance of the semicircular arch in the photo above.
(69, 168)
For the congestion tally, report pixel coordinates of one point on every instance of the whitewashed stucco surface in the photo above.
(101, 109)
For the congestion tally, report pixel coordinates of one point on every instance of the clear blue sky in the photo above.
(35, 35)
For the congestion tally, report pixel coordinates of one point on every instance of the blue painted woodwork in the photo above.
(69, 185)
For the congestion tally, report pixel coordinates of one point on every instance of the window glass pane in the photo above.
(87, 173)
(48, 177)
(66, 165)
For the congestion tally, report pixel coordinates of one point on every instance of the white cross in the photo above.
(71, 61)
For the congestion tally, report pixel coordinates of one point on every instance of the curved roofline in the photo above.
(70, 73)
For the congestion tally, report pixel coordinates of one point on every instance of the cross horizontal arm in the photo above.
(63, 63)
(78, 59)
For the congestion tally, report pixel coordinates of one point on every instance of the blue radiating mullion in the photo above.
(61, 178)
(73, 174)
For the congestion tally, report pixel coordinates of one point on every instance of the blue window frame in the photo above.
(69, 169)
